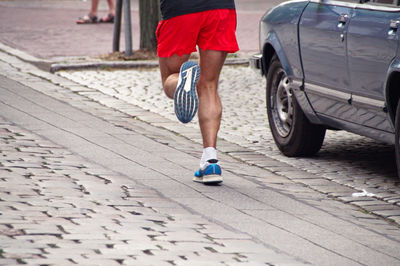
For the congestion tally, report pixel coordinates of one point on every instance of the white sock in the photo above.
(209, 153)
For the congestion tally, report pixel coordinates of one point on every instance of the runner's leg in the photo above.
(169, 68)
(210, 107)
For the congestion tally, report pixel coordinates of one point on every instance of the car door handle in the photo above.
(343, 18)
(394, 24)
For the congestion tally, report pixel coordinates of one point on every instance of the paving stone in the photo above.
(382, 207)
(4, 261)
(388, 213)
(396, 219)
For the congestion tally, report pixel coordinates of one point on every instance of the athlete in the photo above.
(210, 25)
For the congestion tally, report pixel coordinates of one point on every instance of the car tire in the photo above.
(293, 134)
(397, 138)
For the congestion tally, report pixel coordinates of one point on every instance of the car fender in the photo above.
(279, 29)
(272, 46)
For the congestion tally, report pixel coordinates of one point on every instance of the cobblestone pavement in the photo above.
(58, 207)
(55, 210)
(346, 159)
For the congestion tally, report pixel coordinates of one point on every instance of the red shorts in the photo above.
(210, 30)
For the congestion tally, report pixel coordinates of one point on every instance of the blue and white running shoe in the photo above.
(210, 173)
(186, 102)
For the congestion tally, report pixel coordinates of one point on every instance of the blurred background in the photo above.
(47, 29)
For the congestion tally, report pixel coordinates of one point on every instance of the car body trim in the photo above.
(313, 88)
(344, 96)
(370, 132)
(297, 83)
(302, 99)
(368, 101)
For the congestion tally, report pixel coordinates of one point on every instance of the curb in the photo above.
(124, 64)
(50, 66)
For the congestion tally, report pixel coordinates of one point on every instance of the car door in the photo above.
(322, 35)
(372, 41)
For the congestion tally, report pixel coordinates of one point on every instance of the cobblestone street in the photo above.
(89, 178)
(56, 210)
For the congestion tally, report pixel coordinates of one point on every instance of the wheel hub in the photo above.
(283, 102)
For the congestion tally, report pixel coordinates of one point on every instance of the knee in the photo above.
(205, 87)
(210, 103)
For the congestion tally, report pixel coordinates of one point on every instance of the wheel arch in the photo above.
(273, 47)
(268, 54)
(392, 93)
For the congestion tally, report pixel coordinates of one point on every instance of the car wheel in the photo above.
(292, 132)
(397, 138)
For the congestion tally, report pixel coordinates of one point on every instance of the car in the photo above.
(332, 64)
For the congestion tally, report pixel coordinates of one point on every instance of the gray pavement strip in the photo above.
(244, 123)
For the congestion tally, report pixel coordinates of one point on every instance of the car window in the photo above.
(384, 2)
(390, 2)
(338, 3)
(351, 1)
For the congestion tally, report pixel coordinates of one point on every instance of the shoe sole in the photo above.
(209, 179)
(186, 102)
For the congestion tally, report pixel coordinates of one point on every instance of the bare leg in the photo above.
(210, 107)
(93, 9)
(169, 68)
(111, 7)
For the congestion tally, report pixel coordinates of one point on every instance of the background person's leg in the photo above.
(210, 107)
(111, 7)
(169, 68)
(93, 9)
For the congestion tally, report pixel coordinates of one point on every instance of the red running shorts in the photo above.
(209, 30)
